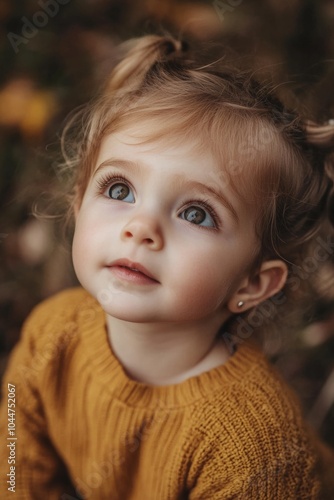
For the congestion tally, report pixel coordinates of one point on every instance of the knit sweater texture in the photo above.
(85, 429)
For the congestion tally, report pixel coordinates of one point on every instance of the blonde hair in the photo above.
(159, 81)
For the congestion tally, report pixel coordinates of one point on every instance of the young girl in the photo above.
(195, 195)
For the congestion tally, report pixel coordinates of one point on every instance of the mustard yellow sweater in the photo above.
(84, 429)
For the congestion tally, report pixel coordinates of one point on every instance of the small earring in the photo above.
(240, 303)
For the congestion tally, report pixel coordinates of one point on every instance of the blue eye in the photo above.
(122, 192)
(198, 215)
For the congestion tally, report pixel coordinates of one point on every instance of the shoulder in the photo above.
(50, 336)
(56, 317)
(254, 404)
(257, 423)
(65, 302)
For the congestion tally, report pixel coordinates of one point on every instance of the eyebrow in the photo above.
(183, 181)
(206, 189)
(118, 162)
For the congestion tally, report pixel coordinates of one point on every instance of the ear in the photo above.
(254, 289)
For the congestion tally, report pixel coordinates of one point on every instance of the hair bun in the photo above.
(175, 46)
(321, 136)
(138, 55)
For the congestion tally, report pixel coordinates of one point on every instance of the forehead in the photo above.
(134, 140)
(178, 164)
(233, 152)
(169, 153)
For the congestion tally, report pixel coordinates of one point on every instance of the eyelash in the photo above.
(208, 207)
(109, 179)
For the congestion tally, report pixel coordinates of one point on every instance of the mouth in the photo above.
(132, 271)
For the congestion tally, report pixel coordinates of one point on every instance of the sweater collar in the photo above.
(114, 379)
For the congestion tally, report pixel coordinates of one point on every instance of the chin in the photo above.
(133, 317)
(126, 312)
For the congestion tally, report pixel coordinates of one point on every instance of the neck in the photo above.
(164, 353)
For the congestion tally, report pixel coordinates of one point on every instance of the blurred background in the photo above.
(55, 52)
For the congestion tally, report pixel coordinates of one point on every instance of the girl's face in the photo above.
(156, 238)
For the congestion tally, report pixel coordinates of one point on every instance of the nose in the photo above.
(143, 230)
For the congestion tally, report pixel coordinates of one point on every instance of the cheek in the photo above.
(84, 242)
(203, 280)
(78, 250)
(89, 229)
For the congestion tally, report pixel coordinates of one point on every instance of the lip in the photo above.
(132, 271)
